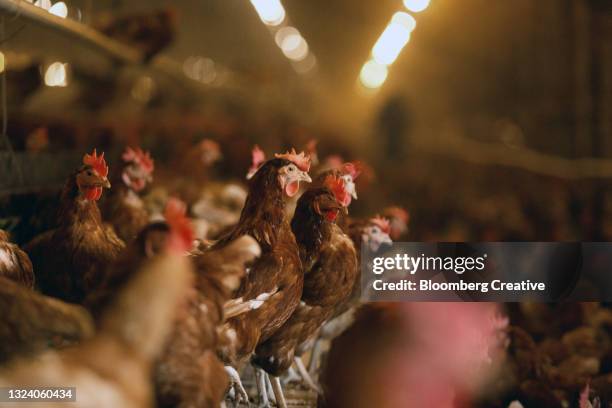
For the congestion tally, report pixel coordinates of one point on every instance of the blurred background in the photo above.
(487, 120)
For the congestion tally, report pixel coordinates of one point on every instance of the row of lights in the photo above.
(56, 74)
(58, 9)
(287, 38)
(390, 44)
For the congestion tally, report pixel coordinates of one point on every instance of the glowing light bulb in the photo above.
(405, 20)
(56, 75)
(43, 4)
(271, 12)
(391, 41)
(59, 9)
(416, 5)
(292, 43)
(373, 74)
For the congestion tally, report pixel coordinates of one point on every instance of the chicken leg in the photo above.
(315, 357)
(240, 393)
(278, 393)
(261, 378)
(305, 375)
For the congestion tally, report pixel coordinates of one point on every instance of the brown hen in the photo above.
(69, 262)
(330, 265)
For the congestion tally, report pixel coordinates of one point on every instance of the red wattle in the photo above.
(331, 215)
(93, 193)
(292, 188)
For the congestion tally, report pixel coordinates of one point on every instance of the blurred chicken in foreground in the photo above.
(189, 373)
(113, 369)
(421, 355)
(31, 323)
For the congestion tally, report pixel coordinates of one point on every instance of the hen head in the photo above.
(350, 171)
(376, 233)
(138, 170)
(337, 187)
(91, 178)
(292, 168)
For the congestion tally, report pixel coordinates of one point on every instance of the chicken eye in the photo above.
(375, 230)
(291, 168)
(89, 173)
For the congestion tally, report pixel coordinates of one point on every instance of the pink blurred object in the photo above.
(450, 353)
(258, 157)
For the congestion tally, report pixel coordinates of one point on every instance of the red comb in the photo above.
(97, 163)
(181, 230)
(381, 223)
(138, 156)
(300, 160)
(398, 212)
(352, 168)
(336, 186)
(258, 157)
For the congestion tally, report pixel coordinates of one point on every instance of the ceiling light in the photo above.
(416, 5)
(373, 74)
(271, 12)
(59, 9)
(392, 40)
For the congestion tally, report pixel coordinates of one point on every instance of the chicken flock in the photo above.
(251, 279)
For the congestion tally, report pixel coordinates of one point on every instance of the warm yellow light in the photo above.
(291, 43)
(59, 9)
(2, 62)
(373, 74)
(271, 12)
(306, 65)
(391, 41)
(416, 5)
(43, 4)
(56, 75)
(404, 19)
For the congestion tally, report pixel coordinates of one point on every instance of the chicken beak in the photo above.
(303, 176)
(106, 183)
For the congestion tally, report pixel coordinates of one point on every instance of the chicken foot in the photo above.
(240, 393)
(306, 375)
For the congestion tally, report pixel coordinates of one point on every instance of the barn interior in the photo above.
(469, 121)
